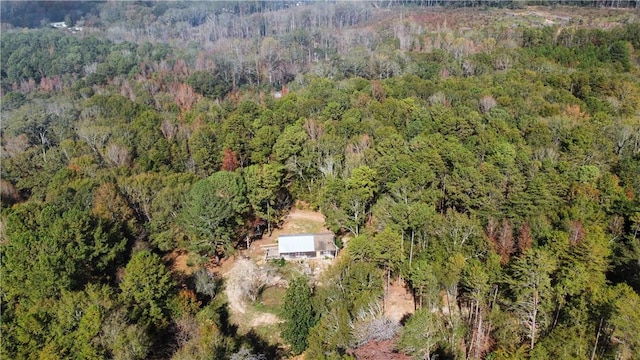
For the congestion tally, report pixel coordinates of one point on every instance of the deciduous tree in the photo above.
(263, 184)
(353, 199)
(530, 283)
(421, 334)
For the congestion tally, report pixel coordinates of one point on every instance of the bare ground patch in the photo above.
(399, 302)
(264, 319)
(178, 262)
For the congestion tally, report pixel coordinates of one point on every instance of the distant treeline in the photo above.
(32, 14)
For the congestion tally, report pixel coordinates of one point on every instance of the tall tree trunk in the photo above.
(388, 282)
(534, 315)
(595, 345)
(411, 247)
(269, 219)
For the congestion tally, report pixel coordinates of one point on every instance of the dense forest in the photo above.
(484, 154)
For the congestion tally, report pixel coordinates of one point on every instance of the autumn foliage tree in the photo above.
(230, 160)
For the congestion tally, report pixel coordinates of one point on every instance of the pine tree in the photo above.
(298, 314)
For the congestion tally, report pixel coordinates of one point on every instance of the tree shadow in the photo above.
(405, 318)
(259, 345)
(444, 354)
(224, 321)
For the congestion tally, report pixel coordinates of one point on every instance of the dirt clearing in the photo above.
(261, 315)
(298, 221)
(399, 302)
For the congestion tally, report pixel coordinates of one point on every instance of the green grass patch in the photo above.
(290, 270)
(271, 333)
(271, 300)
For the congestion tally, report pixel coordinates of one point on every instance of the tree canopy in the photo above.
(482, 154)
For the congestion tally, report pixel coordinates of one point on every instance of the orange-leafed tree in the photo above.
(230, 160)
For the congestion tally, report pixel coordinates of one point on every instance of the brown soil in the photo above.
(303, 214)
(177, 261)
(399, 302)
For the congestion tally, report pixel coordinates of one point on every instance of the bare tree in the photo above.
(248, 280)
(438, 98)
(186, 328)
(487, 103)
(246, 354)
(270, 55)
(207, 282)
(168, 129)
(118, 154)
(14, 146)
(371, 325)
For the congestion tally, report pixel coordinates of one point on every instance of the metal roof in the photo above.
(296, 244)
(324, 242)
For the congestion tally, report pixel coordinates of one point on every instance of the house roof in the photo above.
(306, 243)
(324, 242)
(296, 244)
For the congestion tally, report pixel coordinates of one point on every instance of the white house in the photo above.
(306, 246)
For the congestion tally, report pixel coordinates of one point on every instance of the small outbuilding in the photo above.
(307, 246)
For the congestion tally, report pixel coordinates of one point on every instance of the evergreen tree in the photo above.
(421, 334)
(298, 313)
(213, 212)
(146, 287)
